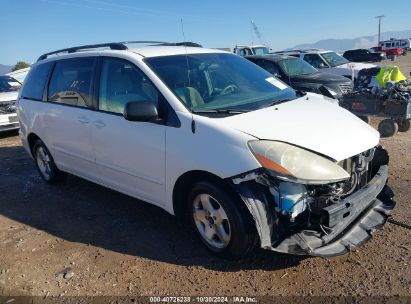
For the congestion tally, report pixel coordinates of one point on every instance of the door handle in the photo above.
(83, 120)
(99, 124)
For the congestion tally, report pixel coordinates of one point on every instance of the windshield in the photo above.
(295, 67)
(219, 81)
(261, 50)
(9, 84)
(334, 59)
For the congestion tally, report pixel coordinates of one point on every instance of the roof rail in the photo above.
(289, 51)
(116, 46)
(112, 46)
(184, 43)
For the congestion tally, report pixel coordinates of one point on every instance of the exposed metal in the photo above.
(337, 217)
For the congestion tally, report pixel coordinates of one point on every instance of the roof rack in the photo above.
(116, 46)
(288, 51)
(184, 43)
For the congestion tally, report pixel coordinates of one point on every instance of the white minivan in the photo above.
(212, 138)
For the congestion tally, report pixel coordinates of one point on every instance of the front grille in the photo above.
(8, 107)
(345, 88)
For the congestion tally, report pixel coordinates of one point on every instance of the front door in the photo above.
(130, 155)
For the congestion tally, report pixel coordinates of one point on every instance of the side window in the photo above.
(120, 83)
(36, 81)
(314, 60)
(269, 66)
(71, 82)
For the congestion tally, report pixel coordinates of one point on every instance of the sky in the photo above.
(33, 27)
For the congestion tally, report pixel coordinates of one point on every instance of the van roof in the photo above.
(157, 51)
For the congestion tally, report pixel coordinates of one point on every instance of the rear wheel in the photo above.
(388, 128)
(222, 222)
(404, 125)
(45, 164)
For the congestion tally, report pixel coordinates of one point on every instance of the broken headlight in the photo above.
(295, 164)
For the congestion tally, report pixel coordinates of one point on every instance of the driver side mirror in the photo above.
(322, 66)
(140, 111)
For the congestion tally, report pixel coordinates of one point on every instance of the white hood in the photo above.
(310, 122)
(357, 66)
(8, 96)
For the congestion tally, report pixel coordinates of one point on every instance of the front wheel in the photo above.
(388, 128)
(222, 222)
(45, 164)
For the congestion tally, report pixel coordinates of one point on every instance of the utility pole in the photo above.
(379, 28)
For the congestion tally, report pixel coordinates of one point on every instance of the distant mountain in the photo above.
(5, 69)
(340, 45)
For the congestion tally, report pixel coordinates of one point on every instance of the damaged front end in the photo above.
(8, 116)
(320, 219)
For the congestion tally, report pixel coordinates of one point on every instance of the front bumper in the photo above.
(361, 214)
(9, 127)
(9, 122)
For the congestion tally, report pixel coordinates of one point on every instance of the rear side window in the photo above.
(269, 67)
(36, 81)
(71, 82)
(314, 60)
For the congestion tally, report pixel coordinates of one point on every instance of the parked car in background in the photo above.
(9, 88)
(364, 55)
(394, 51)
(211, 137)
(328, 61)
(300, 75)
(396, 43)
(246, 50)
(19, 75)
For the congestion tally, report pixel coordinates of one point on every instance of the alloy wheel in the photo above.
(211, 221)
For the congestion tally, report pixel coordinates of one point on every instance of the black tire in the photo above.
(243, 236)
(388, 128)
(404, 125)
(53, 174)
(365, 119)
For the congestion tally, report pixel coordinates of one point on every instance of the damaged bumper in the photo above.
(354, 218)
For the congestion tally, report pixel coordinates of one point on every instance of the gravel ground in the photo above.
(81, 239)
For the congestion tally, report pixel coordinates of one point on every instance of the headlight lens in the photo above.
(295, 164)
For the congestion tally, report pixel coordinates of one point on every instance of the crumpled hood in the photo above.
(311, 122)
(8, 96)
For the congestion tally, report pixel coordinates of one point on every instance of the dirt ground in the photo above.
(82, 239)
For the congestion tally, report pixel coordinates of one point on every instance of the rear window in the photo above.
(71, 82)
(36, 81)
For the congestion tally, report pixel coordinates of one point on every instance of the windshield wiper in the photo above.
(276, 102)
(219, 111)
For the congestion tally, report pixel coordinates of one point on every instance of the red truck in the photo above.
(389, 51)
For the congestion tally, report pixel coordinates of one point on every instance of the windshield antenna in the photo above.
(185, 48)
